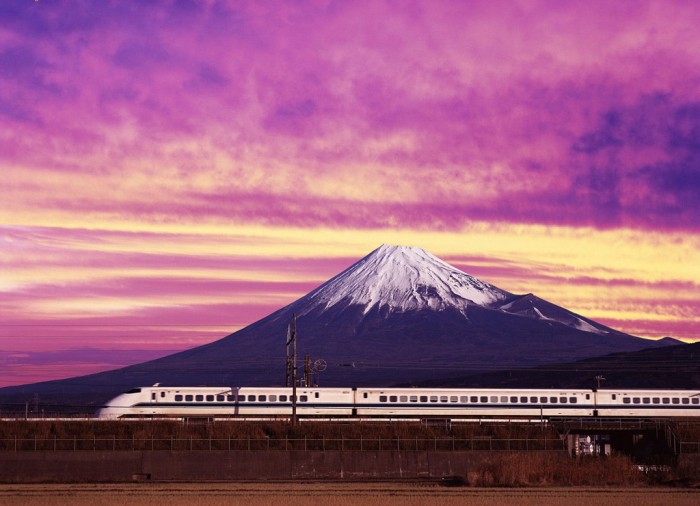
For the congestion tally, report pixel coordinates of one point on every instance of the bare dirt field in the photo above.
(335, 494)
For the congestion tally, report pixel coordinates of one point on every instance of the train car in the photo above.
(647, 403)
(264, 402)
(477, 403)
(215, 402)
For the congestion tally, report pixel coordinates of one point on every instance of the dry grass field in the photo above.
(335, 494)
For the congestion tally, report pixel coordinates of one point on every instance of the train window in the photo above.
(493, 398)
(189, 398)
(563, 400)
(626, 400)
(162, 394)
(504, 398)
(382, 398)
(273, 398)
(614, 396)
(153, 396)
(454, 398)
(433, 398)
(533, 399)
(414, 398)
(303, 398)
(588, 397)
(199, 398)
(443, 398)
(403, 398)
(364, 395)
(645, 400)
(392, 398)
(231, 398)
(543, 400)
(635, 400)
(210, 398)
(523, 400)
(473, 398)
(424, 398)
(573, 400)
(655, 400)
(283, 398)
(316, 394)
(220, 398)
(262, 398)
(553, 400)
(685, 400)
(513, 399)
(251, 398)
(483, 398)
(675, 400)
(178, 398)
(695, 400)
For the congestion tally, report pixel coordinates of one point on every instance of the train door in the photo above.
(595, 402)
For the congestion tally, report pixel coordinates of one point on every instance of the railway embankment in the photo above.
(477, 454)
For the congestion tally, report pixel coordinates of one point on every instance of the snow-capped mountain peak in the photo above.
(404, 278)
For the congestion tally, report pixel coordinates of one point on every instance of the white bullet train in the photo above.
(453, 403)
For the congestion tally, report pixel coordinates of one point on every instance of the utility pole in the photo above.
(307, 371)
(288, 364)
(292, 364)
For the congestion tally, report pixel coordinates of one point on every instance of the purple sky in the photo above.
(185, 163)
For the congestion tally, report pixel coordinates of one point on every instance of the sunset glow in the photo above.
(173, 171)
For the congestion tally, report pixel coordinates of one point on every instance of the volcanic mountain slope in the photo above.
(399, 315)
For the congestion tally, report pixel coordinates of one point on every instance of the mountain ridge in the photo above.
(397, 315)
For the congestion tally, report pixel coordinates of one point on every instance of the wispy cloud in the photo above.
(145, 146)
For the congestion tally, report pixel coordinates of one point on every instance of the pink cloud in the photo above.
(471, 87)
(361, 115)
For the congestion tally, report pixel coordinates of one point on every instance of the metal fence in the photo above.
(278, 444)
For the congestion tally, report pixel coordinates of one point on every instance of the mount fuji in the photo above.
(399, 315)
